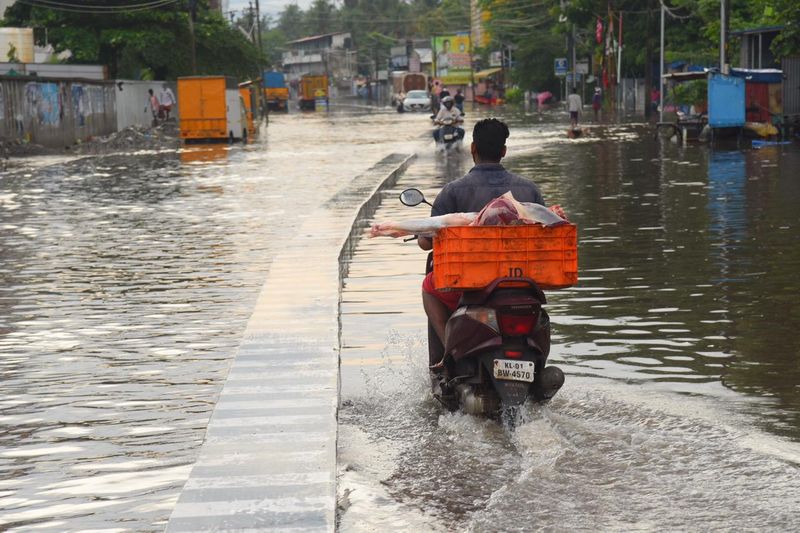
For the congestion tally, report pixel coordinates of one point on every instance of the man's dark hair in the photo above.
(489, 136)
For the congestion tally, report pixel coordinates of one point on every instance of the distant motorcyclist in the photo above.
(448, 115)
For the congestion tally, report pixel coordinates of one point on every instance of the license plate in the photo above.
(448, 136)
(513, 370)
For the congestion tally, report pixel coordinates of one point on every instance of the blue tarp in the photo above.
(676, 65)
(273, 80)
(764, 75)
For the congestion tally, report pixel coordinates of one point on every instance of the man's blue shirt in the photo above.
(482, 184)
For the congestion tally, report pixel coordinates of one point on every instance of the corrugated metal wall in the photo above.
(791, 85)
(55, 112)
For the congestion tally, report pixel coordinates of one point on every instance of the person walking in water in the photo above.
(167, 100)
(155, 107)
(574, 104)
(597, 103)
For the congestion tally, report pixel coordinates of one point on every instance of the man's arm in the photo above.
(440, 207)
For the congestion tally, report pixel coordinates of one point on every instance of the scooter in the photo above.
(449, 135)
(494, 356)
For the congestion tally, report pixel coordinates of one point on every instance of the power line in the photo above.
(96, 8)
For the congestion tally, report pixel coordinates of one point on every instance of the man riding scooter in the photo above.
(487, 180)
(448, 116)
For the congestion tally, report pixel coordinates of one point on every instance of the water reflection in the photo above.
(125, 283)
(204, 153)
(678, 344)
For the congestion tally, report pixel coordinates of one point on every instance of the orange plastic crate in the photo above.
(471, 257)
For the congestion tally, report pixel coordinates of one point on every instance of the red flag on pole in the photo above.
(598, 32)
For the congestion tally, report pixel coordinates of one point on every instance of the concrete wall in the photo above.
(133, 102)
(55, 112)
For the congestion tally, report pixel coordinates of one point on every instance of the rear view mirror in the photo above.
(412, 197)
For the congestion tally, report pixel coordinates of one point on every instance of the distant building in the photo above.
(425, 57)
(331, 54)
(415, 56)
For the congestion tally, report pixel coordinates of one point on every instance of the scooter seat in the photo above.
(495, 291)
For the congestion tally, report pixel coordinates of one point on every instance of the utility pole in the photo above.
(258, 29)
(722, 37)
(621, 101)
(574, 57)
(661, 70)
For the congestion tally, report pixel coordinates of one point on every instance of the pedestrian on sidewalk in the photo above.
(155, 107)
(167, 99)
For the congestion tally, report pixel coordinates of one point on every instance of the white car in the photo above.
(417, 101)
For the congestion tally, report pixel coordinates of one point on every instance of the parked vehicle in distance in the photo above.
(417, 101)
(250, 104)
(275, 91)
(313, 89)
(211, 108)
(404, 82)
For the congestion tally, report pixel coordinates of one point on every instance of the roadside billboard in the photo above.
(452, 58)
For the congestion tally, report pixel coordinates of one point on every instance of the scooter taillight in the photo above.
(516, 325)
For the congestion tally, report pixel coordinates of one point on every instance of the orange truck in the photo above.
(313, 89)
(211, 108)
(248, 91)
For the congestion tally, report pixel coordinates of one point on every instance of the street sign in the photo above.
(561, 66)
(578, 77)
(582, 67)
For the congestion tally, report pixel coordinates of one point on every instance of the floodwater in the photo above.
(681, 409)
(126, 282)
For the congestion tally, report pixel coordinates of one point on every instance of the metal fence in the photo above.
(791, 85)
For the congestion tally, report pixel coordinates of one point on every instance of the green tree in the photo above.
(291, 22)
(321, 17)
(533, 32)
(153, 41)
(785, 13)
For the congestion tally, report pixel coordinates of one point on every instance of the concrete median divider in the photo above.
(268, 460)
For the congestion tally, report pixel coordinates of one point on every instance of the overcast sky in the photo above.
(269, 7)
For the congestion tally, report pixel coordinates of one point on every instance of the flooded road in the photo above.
(126, 282)
(681, 409)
